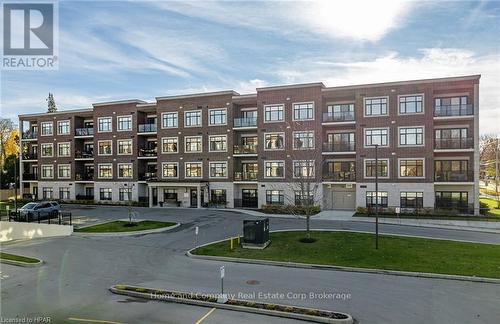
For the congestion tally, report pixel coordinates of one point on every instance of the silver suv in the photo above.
(45, 209)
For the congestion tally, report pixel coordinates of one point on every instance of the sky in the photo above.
(115, 50)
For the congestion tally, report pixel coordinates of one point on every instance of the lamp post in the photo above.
(15, 183)
(376, 196)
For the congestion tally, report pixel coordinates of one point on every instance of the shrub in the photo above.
(289, 209)
(483, 208)
(270, 306)
(362, 210)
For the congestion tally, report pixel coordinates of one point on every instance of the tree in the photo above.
(6, 127)
(51, 104)
(7, 176)
(12, 143)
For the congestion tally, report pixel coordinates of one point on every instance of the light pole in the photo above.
(15, 184)
(376, 196)
(496, 171)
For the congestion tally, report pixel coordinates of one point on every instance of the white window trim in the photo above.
(411, 95)
(41, 128)
(210, 165)
(99, 170)
(284, 141)
(59, 166)
(185, 170)
(270, 161)
(118, 147)
(59, 144)
(111, 124)
(273, 121)
(371, 159)
(411, 159)
(168, 137)
(41, 171)
(412, 145)
(303, 131)
(222, 108)
(118, 170)
(185, 118)
(41, 149)
(69, 127)
(299, 103)
(98, 142)
(377, 97)
(170, 113)
(118, 124)
(374, 128)
(210, 136)
(185, 142)
(314, 169)
(162, 166)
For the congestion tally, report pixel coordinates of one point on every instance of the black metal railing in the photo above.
(145, 151)
(249, 202)
(52, 217)
(84, 176)
(245, 176)
(30, 176)
(339, 147)
(84, 154)
(29, 135)
(146, 128)
(30, 156)
(245, 122)
(87, 131)
(340, 176)
(84, 197)
(245, 149)
(454, 176)
(148, 176)
(453, 110)
(338, 116)
(453, 143)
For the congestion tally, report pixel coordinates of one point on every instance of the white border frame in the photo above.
(176, 113)
(264, 141)
(376, 97)
(222, 135)
(380, 177)
(209, 167)
(41, 171)
(41, 128)
(270, 161)
(41, 150)
(131, 123)
(193, 126)
(412, 95)
(301, 103)
(59, 166)
(303, 131)
(99, 170)
(212, 109)
(194, 136)
(272, 121)
(69, 153)
(99, 153)
(107, 131)
(118, 170)
(69, 126)
(372, 128)
(411, 159)
(185, 170)
(167, 137)
(411, 145)
(171, 162)
(118, 146)
(314, 169)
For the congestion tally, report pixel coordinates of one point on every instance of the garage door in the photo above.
(344, 199)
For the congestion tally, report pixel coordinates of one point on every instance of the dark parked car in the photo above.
(44, 209)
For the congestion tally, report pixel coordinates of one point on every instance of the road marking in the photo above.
(91, 320)
(205, 316)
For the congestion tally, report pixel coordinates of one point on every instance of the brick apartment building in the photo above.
(248, 150)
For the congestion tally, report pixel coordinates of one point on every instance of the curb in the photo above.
(304, 317)
(117, 234)
(22, 264)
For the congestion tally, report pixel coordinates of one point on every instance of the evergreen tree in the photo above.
(51, 104)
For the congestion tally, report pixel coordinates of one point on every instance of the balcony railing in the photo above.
(30, 135)
(84, 176)
(148, 176)
(245, 149)
(245, 176)
(245, 122)
(147, 152)
(453, 143)
(87, 131)
(338, 116)
(30, 176)
(84, 154)
(146, 128)
(453, 110)
(453, 176)
(30, 156)
(339, 147)
(84, 197)
(340, 176)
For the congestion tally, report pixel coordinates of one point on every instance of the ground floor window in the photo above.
(218, 196)
(371, 199)
(411, 199)
(170, 195)
(64, 193)
(105, 193)
(47, 193)
(452, 199)
(275, 197)
(124, 194)
(304, 198)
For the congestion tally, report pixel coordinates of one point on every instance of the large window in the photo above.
(453, 106)
(304, 198)
(383, 168)
(105, 193)
(411, 168)
(104, 124)
(125, 170)
(63, 149)
(169, 145)
(105, 147)
(376, 136)
(64, 171)
(47, 171)
(47, 193)
(274, 113)
(63, 127)
(340, 142)
(125, 147)
(371, 199)
(193, 144)
(124, 123)
(274, 141)
(452, 199)
(63, 193)
(409, 136)
(169, 169)
(303, 111)
(303, 140)
(169, 120)
(452, 170)
(192, 118)
(193, 169)
(47, 128)
(218, 169)
(339, 112)
(303, 169)
(452, 138)
(411, 199)
(125, 194)
(47, 149)
(376, 107)
(275, 197)
(105, 171)
(275, 169)
(410, 104)
(217, 116)
(218, 196)
(218, 143)
(341, 171)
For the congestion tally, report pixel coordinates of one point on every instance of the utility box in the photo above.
(256, 234)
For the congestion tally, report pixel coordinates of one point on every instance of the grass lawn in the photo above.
(492, 203)
(13, 257)
(123, 226)
(358, 250)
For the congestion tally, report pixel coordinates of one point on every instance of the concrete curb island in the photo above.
(22, 264)
(131, 233)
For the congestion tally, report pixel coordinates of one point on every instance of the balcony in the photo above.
(87, 131)
(148, 176)
(29, 135)
(245, 122)
(147, 152)
(146, 128)
(84, 176)
(339, 147)
(30, 176)
(453, 143)
(84, 154)
(338, 117)
(245, 149)
(453, 176)
(30, 156)
(340, 176)
(453, 110)
(245, 176)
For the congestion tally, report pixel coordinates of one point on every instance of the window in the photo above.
(169, 145)
(192, 118)
(47, 128)
(383, 168)
(63, 127)
(125, 147)
(371, 199)
(63, 193)
(169, 120)
(303, 111)
(194, 144)
(169, 170)
(218, 143)
(304, 198)
(275, 169)
(193, 170)
(218, 169)
(275, 197)
(376, 106)
(410, 104)
(411, 199)
(170, 194)
(273, 113)
(63, 149)
(47, 149)
(274, 141)
(453, 106)
(64, 171)
(105, 171)
(452, 199)
(340, 142)
(411, 168)
(218, 116)
(105, 193)
(47, 193)
(124, 123)
(452, 170)
(218, 196)
(411, 136)
(339, 112)
(125, 194)
(452, 138)
(375, 136)
(105, 147)
(303, 140)
(303, 169)
(47, 171)
(104, 124)
(125, 170)
(341, 171)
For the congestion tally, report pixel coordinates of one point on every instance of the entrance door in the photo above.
(194, 198)
(249, 198)
(344, 200)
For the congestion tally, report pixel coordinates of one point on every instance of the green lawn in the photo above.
(492, 203)
(122, 226)
(358, 250)
(13, 257)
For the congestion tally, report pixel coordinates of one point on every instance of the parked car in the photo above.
(45, 209)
